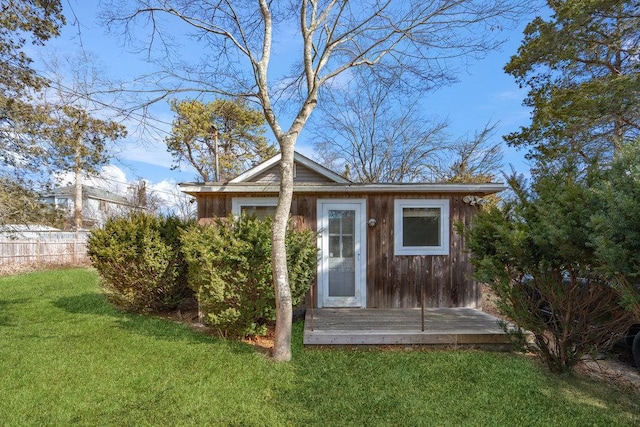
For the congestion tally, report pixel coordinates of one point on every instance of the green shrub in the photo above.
(231, 272)
(140, 262)
(535, 254)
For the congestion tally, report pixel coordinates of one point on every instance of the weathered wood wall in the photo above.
(392, 281)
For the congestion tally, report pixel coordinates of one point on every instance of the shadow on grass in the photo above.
(96, 304)
(5, 310)
(88, 303)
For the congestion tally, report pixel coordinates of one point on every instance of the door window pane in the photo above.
(334, 224)
(342, 279)
(341, 226)
(334, 246)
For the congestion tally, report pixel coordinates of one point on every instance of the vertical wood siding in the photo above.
(392, 281)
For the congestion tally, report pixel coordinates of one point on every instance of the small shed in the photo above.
(380, 245)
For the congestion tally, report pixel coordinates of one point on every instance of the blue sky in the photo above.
(483, 94)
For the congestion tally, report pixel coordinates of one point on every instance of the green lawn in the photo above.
(68, 358)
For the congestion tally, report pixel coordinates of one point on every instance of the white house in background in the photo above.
(97, 204)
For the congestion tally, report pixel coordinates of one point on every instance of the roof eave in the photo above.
(488, 188)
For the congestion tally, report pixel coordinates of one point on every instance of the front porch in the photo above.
(443, 327)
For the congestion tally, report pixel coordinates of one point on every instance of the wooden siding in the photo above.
(303, 174)
(392, 281)
(213, 207)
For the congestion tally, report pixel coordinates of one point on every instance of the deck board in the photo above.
(443, 327)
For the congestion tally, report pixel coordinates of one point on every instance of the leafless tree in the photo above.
(374, 134)
(406, 42)
(475, 159)
(76, 137)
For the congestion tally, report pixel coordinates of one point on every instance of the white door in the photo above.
(342, 266)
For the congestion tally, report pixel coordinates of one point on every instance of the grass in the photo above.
(68, 358)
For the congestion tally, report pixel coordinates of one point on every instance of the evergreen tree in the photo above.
(581, 67)
(224, 129)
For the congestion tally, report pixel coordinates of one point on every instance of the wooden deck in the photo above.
(444, 327)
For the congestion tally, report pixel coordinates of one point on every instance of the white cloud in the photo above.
(110, 178)
(166, 190)
(173, 200)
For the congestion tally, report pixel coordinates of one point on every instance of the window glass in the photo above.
(341, 229)
(261, 207)
(260, 212)
(421, 227)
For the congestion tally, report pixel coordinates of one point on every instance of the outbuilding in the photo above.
(380, 245)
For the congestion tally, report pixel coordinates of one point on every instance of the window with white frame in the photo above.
(421, 227)
(261, 207)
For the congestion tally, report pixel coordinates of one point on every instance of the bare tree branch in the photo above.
(407, 44)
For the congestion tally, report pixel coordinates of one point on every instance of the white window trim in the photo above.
(399, 248)
(238, 202)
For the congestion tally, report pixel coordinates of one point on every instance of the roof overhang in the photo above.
(236, 188)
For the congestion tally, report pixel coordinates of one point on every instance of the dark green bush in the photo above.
(140, 262)
(535, 254)
(231, 272)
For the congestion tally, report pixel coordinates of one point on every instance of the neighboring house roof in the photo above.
(315, 178)
(88, 192)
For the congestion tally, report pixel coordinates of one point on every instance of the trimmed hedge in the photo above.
(230, 270)
(140, 262)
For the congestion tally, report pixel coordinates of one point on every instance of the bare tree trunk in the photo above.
(77, 203)
(284, 309)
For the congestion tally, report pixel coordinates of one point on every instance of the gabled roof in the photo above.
(261, 180)
(297, 158)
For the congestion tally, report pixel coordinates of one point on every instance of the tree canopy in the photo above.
(76, 141)
(616, 236)
(537, 254)
(21, 116)
(20, 205)
(581, 68)
(475, 159)
(226, 129)
(22, 22)
(561, 254)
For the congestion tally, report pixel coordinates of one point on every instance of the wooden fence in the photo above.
(45, 248)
